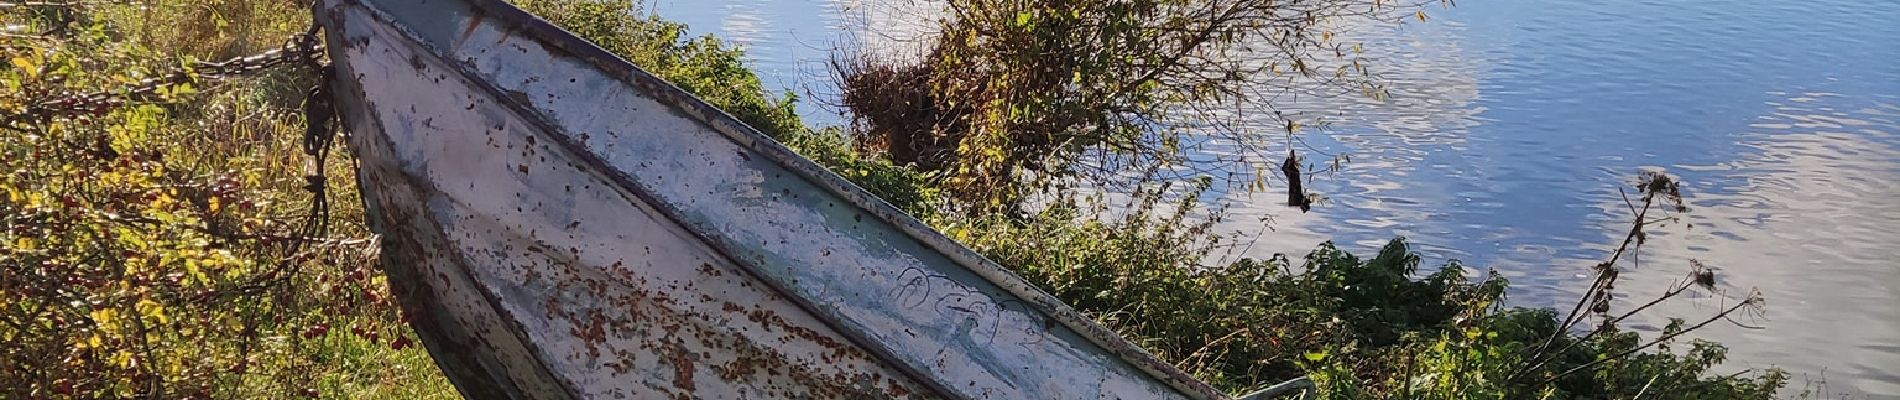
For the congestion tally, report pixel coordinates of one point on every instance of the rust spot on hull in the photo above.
(473, 22)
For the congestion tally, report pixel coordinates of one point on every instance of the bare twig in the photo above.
(1606, 274)
(1645, 390)
(1752, 300)
(27, 4)
(1653, 185)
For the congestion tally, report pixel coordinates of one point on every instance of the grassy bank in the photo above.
(154, 248)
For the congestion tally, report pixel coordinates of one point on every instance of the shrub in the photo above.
(155, 246)
(1016, 96)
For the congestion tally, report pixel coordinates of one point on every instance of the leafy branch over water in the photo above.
(1013, 97)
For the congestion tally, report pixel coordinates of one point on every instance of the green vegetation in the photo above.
(153, 244)
(145, 249)
(1361, 328)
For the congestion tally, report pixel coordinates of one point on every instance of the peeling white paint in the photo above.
(612, 298)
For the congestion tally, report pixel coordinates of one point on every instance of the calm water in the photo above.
(1512, 123)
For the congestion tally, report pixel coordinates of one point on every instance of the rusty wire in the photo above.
(319, 133)
(33, 3)
(303, 47)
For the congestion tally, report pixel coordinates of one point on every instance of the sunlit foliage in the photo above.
(150, 244)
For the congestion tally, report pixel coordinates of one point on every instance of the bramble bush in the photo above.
(152, 244)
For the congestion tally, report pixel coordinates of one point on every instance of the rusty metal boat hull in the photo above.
(560, 224)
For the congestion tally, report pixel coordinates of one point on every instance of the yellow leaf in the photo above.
(26, 66)
(191, 268)
(122, 359)
(107, 319)
(151, 309)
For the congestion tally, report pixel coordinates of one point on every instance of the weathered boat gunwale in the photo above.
(443, 334)
(426, 310)
(517, 20)
(493, 386)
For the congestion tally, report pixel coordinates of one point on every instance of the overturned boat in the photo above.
(560, 224)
